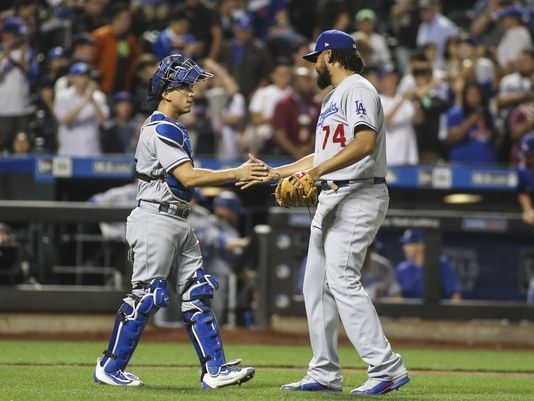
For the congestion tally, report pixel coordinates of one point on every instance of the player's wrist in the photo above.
(314, 173)
(239, 173)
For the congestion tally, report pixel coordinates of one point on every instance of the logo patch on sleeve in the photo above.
(360, 110)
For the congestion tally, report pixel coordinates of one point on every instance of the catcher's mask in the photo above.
(174, 72)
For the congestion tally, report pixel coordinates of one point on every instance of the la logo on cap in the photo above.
(326, 44)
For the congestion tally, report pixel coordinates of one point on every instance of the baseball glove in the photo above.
(297, 190)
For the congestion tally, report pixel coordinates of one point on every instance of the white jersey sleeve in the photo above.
(361, 106)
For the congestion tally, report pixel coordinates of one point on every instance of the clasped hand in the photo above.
(262, 173)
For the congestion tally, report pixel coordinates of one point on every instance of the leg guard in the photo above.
(130, 322)
(201, 324)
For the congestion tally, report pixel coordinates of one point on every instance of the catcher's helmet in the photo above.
(174, 72)
(527, 145)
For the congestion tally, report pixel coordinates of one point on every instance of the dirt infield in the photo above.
(246, 336)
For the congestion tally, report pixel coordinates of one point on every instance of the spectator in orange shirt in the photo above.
(116, 51)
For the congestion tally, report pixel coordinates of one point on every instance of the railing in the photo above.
(277, 265)
(295, 222)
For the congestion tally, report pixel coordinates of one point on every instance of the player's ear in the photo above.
(165, 96)
(328, 56)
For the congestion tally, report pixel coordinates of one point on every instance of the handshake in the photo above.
(297, 190)
(254, 171)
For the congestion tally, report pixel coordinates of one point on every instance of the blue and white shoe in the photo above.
(118, 378)
(309, 384)
(227, 377)
(131, 376)
(375, 386)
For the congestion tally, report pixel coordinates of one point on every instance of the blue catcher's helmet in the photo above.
(174, 72)
(527, 145)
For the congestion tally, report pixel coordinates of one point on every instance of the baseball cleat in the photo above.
(118, 378)
(309, 384)
(228, 377)
(131, 376)
(375, 386)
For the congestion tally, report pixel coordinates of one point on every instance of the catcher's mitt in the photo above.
(297, 190)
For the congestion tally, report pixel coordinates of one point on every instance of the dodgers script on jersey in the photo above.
(353, 102)
(163, 145)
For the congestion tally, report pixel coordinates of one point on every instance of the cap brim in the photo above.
(311, 56)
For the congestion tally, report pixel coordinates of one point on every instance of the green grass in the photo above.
(51, 371)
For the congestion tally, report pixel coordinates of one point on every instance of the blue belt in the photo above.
(326, 185)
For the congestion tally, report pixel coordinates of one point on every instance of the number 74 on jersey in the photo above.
(337, 137)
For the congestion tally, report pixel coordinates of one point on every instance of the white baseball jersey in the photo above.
(353, 102)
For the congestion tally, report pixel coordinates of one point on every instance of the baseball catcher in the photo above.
(165, 250)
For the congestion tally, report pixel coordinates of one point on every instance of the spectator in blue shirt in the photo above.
(410, 272)
(469, 128)
(176, 38)
(525, 175)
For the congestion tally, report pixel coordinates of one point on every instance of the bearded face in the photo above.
(323, 76)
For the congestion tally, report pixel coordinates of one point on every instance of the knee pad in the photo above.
(130, 322)
(198, 292)
(200, 322)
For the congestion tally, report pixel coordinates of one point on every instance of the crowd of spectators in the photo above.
(456, 82)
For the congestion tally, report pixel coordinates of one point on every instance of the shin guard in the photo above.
(130, 323)
(201, 324)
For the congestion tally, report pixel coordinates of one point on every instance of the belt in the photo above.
(147, 178)
(176, 210)
(326, 185)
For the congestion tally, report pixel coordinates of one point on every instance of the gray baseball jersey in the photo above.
(353, 102)
(344, 225)
(163, 145)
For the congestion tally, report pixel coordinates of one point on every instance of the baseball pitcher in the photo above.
(350, 164)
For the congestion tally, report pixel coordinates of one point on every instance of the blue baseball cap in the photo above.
(412, 236)
(79, 69)
(527, 145)
(199, 196)
(228, 200)
(377, 245)
(122, 96)
(243, 23)
(386, 69)
(15, 25)
(511, 11)
(332, 39)
(55, 53)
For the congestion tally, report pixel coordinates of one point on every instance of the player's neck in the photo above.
(338, 75)
(419, 260)
(168, 110)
